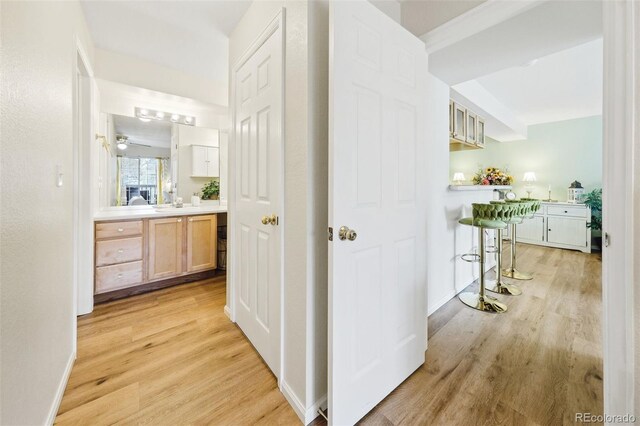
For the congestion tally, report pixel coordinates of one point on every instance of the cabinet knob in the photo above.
(179, 220)
(120, 229)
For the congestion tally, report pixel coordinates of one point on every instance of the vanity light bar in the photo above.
(146, 114)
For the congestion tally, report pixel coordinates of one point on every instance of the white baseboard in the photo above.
(227, 312)
(55, 406)
(294, 401)
(306, 415)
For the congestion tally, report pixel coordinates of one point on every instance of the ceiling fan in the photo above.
(122, 142)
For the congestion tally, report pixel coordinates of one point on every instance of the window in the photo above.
(139, 177)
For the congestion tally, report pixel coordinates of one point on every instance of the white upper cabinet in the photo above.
(205, 161)
(466, 128)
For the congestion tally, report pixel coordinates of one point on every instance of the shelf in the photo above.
(478, 187)
(457, 145)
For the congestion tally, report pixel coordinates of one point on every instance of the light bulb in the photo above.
(159, 115)
(122, 146)
(146, 120)
(144, 112)
(188, 120)
(175, 117)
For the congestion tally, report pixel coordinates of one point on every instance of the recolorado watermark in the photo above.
(605, 418)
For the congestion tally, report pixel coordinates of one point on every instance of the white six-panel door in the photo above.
(258, 194)
(377, 288)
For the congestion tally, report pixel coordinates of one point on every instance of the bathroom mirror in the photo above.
(152, 162)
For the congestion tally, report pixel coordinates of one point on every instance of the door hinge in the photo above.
(605, 240)
(330, 233)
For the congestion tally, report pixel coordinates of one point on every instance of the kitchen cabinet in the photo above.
(560, 225)
(202, 240)
(466, 128)
(205, 161)
(165, 247)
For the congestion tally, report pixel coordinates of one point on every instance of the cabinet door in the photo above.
(471, 127)
(561, 230)
(459, 122)
(213, 162)
(480, 132)
(165, 247)
(198, 161)
(202, 240)
(531, 229)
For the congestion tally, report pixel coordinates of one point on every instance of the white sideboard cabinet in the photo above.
(561, 225)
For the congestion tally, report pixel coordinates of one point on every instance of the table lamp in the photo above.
(458, 178)
(529, 177)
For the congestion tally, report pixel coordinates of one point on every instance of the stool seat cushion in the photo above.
(483, 223)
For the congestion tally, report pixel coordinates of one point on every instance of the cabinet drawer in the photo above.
(120, 250)
(567, 211)
(118, 229)
(118, 276)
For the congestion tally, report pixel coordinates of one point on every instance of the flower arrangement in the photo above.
(492, 176)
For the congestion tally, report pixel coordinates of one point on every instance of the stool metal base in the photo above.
(485, 304)
(504, 288)
(516, 275)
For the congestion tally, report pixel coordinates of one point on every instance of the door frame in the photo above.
(277, 23)
(83, 114)
(621, 30)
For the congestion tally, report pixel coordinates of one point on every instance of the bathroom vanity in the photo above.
(144, 249)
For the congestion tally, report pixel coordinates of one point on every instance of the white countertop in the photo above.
(477, 187)
(139, 212)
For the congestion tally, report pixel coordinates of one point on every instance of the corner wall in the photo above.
(37, 321)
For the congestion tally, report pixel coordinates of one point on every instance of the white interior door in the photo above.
(377, 281)
(258, 95)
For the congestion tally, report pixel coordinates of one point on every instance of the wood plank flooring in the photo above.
(172, 357)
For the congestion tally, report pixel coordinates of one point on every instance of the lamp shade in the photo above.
(458, 176)
(529, 177)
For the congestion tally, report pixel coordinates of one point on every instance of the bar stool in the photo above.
(526, 208)
(500, 286)
(485, 216)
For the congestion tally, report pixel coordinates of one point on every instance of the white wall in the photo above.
(37, 323)
(391, 8)
(304, 218)
(447, 274)
(558, 153)
(136, 72)
(188, 136)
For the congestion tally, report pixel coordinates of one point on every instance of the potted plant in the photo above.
(211, 190)
(593, 200)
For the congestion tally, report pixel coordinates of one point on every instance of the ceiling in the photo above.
(558, 87)
(153, 133)
(552, 27)
(190, 36)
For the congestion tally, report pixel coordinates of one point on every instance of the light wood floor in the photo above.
(172, 357)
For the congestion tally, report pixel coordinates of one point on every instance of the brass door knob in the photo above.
(270, 220)
(347, 234)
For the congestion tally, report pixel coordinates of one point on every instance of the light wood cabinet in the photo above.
(132, 253)
(202, 240)
(165, 247)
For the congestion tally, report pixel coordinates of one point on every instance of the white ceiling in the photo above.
(558, 87)
(153, 133)
(190, 36)
(552, 27)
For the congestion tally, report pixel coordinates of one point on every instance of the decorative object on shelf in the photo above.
(492, 176)
(529, 177)
(458, 178)
(549, 197)
(195, 200)
(575, 192)
(510, 196)
(211, 190)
